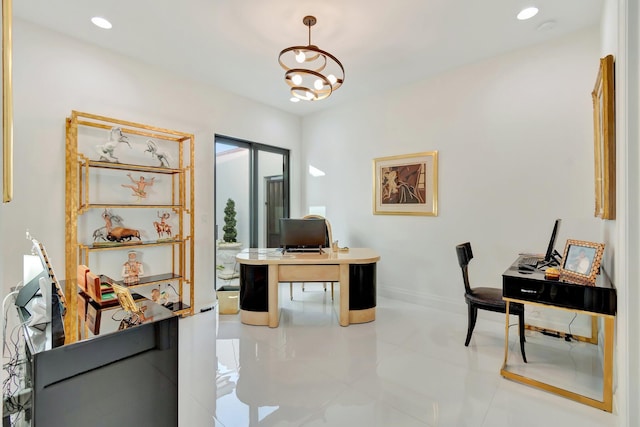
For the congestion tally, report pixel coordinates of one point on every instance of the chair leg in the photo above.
(291, 291)
(331, 291)
(522, 339)
(473, 313)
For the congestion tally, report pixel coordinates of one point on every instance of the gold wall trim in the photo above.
(7, 104)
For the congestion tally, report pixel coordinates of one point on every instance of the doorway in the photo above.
(255, 178)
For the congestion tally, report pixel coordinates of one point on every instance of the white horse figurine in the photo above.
(106, 150)
(162, 156)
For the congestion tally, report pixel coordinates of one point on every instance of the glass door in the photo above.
(252, 194)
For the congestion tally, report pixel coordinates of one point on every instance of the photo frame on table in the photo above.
(406, 184)
(581, 262)
(603, 96)
(127, 303)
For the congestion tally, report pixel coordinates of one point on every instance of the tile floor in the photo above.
(407, 368)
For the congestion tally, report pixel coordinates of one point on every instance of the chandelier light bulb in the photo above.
(294, 99)
(305, 68)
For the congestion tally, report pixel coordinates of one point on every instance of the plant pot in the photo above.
(228, 299)
(226, 260)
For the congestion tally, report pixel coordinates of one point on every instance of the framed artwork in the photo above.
(406, 184)
(605, 140)
(581, 262)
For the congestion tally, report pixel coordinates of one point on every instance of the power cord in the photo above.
(16, 396)
(569, 336)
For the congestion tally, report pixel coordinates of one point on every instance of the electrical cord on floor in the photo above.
(570, 335)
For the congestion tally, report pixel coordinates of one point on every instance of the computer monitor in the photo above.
(31, 285)
(303, 234)
(550, 256)
(41, 301)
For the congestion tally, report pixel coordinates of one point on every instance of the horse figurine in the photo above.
(162, 227)
(105, 151)
(162, 156)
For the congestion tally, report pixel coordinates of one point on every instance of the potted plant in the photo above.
(228, 247)
(230, 232)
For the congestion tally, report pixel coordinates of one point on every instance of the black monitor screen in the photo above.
(552, 241)
(302, 233)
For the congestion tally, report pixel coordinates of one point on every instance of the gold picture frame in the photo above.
(603, 96)
(581, 262)
(406, 184)
(123, 294)
(7, 104)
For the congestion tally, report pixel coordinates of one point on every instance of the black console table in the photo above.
(112, 376)
(599, 301)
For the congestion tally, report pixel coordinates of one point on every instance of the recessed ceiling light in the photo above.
(527, 13)
(101, 22)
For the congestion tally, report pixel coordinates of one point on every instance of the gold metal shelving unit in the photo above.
(81, 168)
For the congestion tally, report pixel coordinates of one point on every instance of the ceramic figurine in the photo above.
(132, 269)
(163, 157)
(139, 186)
(118, 233)
(159, 297)
(102, 233)
(162, 227)
(106, 150)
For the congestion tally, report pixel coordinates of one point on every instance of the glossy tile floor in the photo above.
(407, 368)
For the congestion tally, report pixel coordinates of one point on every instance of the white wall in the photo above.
(620, 36)
(515, 142)
(53, 75)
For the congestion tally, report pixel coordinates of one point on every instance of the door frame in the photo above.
(254, 181)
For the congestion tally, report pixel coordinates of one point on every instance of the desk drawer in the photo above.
(561, 294)
(309, 273)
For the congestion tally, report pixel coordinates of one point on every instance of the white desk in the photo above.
(262, 269)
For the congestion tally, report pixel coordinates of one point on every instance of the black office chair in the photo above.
(327, 244)
(484, 298)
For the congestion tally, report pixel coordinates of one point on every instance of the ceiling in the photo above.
(234, 44)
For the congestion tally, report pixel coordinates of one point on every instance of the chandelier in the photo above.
(312, 73)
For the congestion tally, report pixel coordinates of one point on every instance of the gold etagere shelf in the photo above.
(82, 162)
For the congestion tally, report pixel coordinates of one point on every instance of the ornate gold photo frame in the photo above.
(581, 262)
(605, 139)
(127, 303)
(406, 184)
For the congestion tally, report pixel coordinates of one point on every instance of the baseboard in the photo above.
(545, 318)
(423, 299)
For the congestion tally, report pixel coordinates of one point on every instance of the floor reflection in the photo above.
(407, 368)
